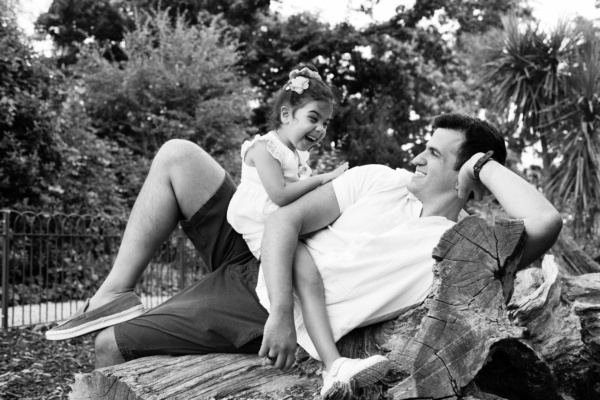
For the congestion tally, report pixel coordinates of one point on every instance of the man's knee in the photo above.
(177, 149)
(182, 157)
(107, 351)
(193, 175)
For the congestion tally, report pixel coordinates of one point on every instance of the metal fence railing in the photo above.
(52, 262)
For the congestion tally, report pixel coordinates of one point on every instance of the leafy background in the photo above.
(78, 128)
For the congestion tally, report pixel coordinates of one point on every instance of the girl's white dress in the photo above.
(250, 205)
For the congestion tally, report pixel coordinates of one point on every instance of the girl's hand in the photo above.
(334, 174)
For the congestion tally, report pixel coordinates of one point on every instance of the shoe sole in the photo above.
(371, 374)
(365, 377)
(100, 323)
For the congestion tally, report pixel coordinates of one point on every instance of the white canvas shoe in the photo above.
(347, 371)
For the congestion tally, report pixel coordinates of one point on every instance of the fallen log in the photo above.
(574, 261)
(460, 343)
(561, 315)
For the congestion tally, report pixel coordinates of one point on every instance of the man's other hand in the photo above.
(279, 341)
(467, 183)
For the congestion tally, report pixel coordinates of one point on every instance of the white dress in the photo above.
(250, 205)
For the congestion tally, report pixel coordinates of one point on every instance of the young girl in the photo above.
(274, 166)
(275, 173)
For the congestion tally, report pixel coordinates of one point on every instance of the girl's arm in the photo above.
(271, 176)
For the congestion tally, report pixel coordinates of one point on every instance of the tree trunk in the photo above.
(459, 343)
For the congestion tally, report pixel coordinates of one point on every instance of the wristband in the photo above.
(481, 162)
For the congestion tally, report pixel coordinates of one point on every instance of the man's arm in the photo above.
(309, 213)
(520, 200)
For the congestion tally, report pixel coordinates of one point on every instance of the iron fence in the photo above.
(52, 262)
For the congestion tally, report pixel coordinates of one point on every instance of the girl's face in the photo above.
(307, 126)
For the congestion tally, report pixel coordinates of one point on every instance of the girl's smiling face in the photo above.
(307, 126)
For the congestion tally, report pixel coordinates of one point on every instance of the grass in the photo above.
(32, 367)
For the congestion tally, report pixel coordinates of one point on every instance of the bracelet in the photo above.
(481, 162)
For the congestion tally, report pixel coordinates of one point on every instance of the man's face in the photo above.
(435, 174)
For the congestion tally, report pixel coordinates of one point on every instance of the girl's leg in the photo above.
(340, 372)
(310, 289)
(181, 179)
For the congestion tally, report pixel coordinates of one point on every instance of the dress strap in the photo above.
(274, 146)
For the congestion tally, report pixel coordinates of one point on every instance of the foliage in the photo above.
(549, 83)
(575, 179)
(29, 157)
(71, 22)
(393, 77)
(237, 13)
(51, 159)
(523, 72)
(97, 175)
(179, 82)
(385, 83)
(472, 16)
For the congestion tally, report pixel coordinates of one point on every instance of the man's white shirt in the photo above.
(375, 259)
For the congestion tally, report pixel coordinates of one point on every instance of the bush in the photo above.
(180, 81)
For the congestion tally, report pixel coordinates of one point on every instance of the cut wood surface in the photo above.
(459, 343)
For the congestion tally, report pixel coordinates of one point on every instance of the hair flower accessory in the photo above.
(298, 84)
(307, 72)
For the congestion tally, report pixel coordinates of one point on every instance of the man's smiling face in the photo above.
(435, 174)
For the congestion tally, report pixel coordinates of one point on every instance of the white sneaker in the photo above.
(346, 371)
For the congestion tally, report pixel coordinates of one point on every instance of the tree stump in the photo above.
(459, 343)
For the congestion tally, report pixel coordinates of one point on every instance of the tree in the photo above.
(29, 157)
(522, 72)
(179, 81)
(96, 175)
(383, 83)
(575, 178)
(549, 82)
(71, 22)
(237, 13)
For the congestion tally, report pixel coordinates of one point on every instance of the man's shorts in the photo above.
(221, 312)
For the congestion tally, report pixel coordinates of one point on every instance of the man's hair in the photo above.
(480, 137)
(317, 90)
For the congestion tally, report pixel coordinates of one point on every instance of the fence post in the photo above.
(181, 251)
(4, 239)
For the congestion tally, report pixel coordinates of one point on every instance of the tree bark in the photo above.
(561, 315)
(460, 343)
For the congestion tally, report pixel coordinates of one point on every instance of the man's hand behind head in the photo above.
(467, 183)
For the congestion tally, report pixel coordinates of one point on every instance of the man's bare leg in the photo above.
(107, 351)
(181, 179)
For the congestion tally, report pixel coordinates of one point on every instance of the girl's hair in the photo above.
(294, 97)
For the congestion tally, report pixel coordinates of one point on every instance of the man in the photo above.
(223, 311)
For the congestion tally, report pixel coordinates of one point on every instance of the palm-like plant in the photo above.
(523, 69)
(575, 181)
(551, 81)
